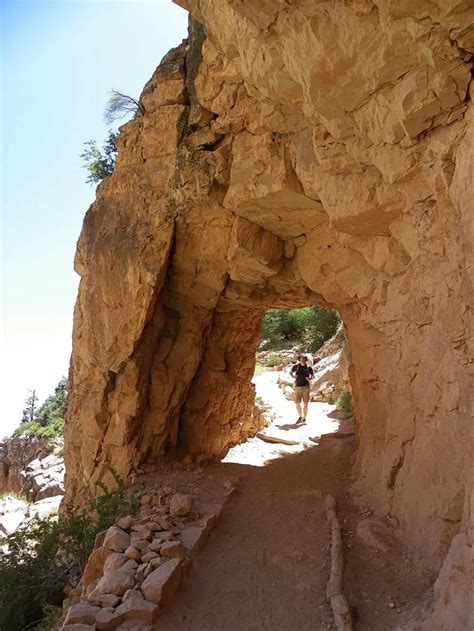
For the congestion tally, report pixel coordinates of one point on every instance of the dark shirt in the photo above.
(302, 372)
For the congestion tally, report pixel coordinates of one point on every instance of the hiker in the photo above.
(303, 375)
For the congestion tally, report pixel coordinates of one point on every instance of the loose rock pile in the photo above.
(138, 564)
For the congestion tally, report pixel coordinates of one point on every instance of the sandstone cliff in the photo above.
(293, 153)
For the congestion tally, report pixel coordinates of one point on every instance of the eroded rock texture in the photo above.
(292, 153)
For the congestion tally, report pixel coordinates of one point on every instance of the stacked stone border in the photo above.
(138, 565)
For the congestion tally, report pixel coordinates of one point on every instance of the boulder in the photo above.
(115, 582)
(82, 613)
(114, 561)
(138, 609)
(108, 600)
(107, 619)
(173, 549)
(116, 539)
(133, 553)
(125, 523)
(162, 583)
(95, 566)
(181, 505)
(46, 507)
(13, 512)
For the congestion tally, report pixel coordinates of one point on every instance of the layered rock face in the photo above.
(291, 153)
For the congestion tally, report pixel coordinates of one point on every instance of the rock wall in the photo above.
(291, 153)
(31, 467)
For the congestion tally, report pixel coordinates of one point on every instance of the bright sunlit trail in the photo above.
(59, 61)
(258, 453)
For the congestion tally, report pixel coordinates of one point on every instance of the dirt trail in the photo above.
(266, 564)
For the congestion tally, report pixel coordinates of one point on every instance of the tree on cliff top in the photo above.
(47, 420)
(30, 412)
(120, 105)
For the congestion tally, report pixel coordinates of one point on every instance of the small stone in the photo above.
(109, 600)
(165, 524)
(125, 523)
(142, 531)
(180, 505)
(145, 499)
(116, 539)
(148, 556)
(155, 545)
(391, 605)
(114, 562)
(132, 593)
(130, 564)
(162, 583)
(142, 545)
(133, 553)
(140, 573)
(107, 618)
(82, 613)
(153, 526)
(164, 535)
(173, 549)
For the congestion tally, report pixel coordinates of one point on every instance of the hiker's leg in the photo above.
(305, 409)
(298, 401)
(305, 394)
(298, 408)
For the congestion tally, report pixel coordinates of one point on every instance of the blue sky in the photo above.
(59, 61)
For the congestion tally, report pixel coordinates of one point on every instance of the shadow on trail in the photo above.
(289, 426)
(265, 565)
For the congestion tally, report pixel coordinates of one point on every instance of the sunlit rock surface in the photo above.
(292, 154)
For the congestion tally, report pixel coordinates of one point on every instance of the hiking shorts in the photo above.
(302, 393)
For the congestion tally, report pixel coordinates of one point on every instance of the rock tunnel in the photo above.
(291, 153)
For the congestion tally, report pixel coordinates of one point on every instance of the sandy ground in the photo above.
(265, 565)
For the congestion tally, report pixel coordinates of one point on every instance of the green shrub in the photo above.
(51, 617)
(55, 429)
(18, 496)
(305, 329)
(46, 421)
(44, 554)
(272, 361)
(344, 403)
